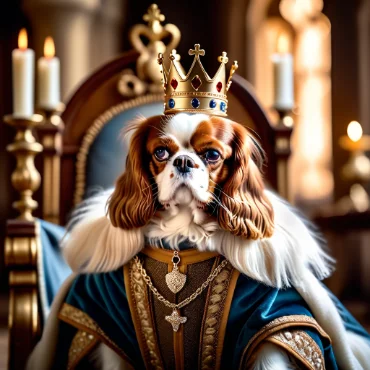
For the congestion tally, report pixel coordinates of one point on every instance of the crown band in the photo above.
(195, 92)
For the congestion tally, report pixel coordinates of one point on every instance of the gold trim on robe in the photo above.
(270, 332)
(80, 320)
(301, 346)
(137, 296)
(216, 313)
(82, 344)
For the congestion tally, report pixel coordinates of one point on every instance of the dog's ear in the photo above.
(132, 203)
(248, 212)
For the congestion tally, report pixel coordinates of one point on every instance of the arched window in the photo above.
(308, 30)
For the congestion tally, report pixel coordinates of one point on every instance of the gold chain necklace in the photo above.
(175, 319)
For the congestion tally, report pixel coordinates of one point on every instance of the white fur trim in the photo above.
(328, 317)
(278, 261)
(361, 349)
(272, 357)
(94, 245)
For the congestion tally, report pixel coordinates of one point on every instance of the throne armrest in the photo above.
(21, 248)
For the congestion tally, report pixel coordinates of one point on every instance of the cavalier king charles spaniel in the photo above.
(199, 178)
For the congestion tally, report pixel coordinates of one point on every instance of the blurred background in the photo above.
(330, 44)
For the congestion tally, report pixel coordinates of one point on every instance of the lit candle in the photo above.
(354, 131)
(48, 68)
(23, 61)
(283, 75)
(355, 140)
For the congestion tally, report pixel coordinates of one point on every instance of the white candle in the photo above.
(283, 76)
(23, 61)
(48, 68)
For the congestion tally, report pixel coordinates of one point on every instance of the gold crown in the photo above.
(195, 92)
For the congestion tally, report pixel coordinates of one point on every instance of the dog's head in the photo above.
(184, 158)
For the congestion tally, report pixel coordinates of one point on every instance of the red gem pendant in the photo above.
(196, 82)
(174, 83)
(219, 86)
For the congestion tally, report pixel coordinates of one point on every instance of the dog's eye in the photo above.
(161, 154)
(212, 155)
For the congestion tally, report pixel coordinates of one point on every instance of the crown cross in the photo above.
(153, 15)
(197, 51)
(223, 58)
(174, 55)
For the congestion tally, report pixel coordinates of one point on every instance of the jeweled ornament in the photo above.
(223, 106)
(212, 104)
(196, 82)
(174, 83)
(175, 280)
(195, 103)
(219, 86)
(171, 103)
(175, 320)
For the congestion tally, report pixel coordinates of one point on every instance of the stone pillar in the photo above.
(70, 23)
(108, 31)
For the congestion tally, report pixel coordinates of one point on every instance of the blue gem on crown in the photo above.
(195, 103)
(171, 103)
(223, 106)
(212, 104)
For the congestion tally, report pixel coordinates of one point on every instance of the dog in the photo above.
(200, 178)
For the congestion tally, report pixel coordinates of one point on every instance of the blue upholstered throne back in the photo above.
(105, 161)
(107, 155)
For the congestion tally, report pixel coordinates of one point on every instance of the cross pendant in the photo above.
(175, 320)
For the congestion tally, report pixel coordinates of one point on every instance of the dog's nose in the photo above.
(184, 163)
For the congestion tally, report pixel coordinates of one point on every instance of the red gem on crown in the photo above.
(219, 86)
(196, 82)
(174, 83)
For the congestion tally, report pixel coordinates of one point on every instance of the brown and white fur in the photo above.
(176, 187)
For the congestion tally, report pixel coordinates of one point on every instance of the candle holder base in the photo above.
(285, 119)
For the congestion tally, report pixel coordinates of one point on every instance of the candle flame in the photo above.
(283, 44)
(49, 48)
(354, 131)
(22, 39)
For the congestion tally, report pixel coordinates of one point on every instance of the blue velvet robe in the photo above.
(103, 297)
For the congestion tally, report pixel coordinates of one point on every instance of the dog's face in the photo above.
(189, 153)
(182, 160)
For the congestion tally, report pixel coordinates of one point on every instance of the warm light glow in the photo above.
(49, 48)
(283, 44)
(354, 131)
(288, 121)
(297, 12)
(22, 39)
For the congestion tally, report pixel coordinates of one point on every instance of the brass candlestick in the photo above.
(25, 178)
